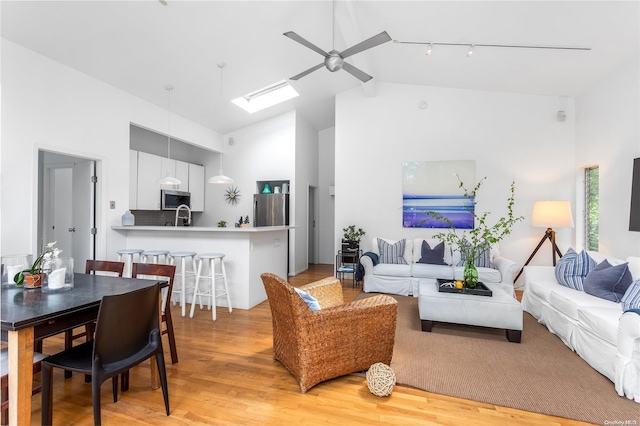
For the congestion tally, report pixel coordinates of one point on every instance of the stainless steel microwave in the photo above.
(171, 200)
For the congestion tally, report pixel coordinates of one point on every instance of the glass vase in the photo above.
(470, 275)
(12, 265)
(58, 275)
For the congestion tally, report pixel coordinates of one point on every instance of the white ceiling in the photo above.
(141, 46)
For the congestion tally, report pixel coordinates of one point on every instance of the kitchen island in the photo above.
(248, 253)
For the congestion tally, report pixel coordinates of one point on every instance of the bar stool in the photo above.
(183, 273)
(154, 254)
(129, 253)
(211, 292)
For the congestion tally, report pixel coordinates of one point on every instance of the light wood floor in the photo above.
(226, 376)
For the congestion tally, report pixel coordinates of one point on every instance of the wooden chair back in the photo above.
(104, 266)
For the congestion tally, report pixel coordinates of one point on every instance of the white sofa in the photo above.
(595, 328)
(404, 279)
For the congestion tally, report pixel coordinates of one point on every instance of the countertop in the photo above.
(202, 228)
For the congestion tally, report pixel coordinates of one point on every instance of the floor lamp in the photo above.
(549, 214)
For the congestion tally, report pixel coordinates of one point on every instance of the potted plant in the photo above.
(222, 224)
(33, 277)
(351, 237)
(473, 243)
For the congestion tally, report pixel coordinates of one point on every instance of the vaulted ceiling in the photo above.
(141, 46)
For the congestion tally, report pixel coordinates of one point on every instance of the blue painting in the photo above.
(434, 186)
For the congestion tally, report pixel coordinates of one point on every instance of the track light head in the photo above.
(470, 51)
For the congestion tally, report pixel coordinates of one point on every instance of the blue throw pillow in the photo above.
(392, 253)
(573, 267)
(608, 282)
(482, 258)
(631, 298)
(433, 256)
(309, 300)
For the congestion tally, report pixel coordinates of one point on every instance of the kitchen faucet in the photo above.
(180, 207)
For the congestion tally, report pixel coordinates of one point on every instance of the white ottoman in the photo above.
(501, 310)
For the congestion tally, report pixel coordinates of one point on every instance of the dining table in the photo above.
(29, 315)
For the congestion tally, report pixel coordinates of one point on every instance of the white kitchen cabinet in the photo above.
(182, 173)
(146, 169)
(148, 188)
(196, 187)
(133, 179)
(179, 170)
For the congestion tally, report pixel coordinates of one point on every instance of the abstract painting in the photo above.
(434, 186)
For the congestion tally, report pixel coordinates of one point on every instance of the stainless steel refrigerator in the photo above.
(270, 209)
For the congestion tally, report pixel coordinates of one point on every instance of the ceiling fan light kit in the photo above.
(334, 60)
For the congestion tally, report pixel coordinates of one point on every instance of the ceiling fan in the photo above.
(334, 60)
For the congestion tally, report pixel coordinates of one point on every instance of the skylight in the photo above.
(266, 97)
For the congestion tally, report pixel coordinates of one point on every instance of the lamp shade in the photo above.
(220, 178)
(552, 214)
(169, 180)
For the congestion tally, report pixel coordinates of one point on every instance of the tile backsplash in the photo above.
(157, 218)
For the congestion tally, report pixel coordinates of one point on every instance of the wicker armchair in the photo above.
(339, 339)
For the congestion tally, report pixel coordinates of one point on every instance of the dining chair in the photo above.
(91, 267)
(4, 380)
(168, 272)
(127, 333)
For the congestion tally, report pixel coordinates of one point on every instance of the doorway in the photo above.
(312, 238)
(66, 208)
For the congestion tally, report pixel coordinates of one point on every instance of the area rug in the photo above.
(540, 374)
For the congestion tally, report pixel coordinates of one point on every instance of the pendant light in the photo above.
(220, 177)
(168, 179)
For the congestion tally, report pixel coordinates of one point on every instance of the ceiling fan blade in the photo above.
(296, 37)
(309, 71)
(383, 37)
(360, 75)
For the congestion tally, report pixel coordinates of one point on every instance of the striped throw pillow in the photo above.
(631, 298)
(482, 258)
(573, 267)
(392, 253)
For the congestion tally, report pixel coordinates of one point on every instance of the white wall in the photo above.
(52, 107)
(608, 135)
(326, 177)
(263, 151)
(306, 166)
(508, 135)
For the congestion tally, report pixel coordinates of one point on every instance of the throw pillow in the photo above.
(631, 298)
(309, 299)
(572, 268)
(482, 258)
(433, 256)
(608, 282)
(392, 253)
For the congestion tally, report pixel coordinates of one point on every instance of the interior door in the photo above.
(61, 198)
(83, 214)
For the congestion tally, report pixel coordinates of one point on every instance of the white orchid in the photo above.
(50, 251)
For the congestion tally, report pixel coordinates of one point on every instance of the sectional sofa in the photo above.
(404, 279)
(596, 329)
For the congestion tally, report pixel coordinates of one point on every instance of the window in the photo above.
(591, 197)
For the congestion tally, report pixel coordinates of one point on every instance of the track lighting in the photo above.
(430, 45)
